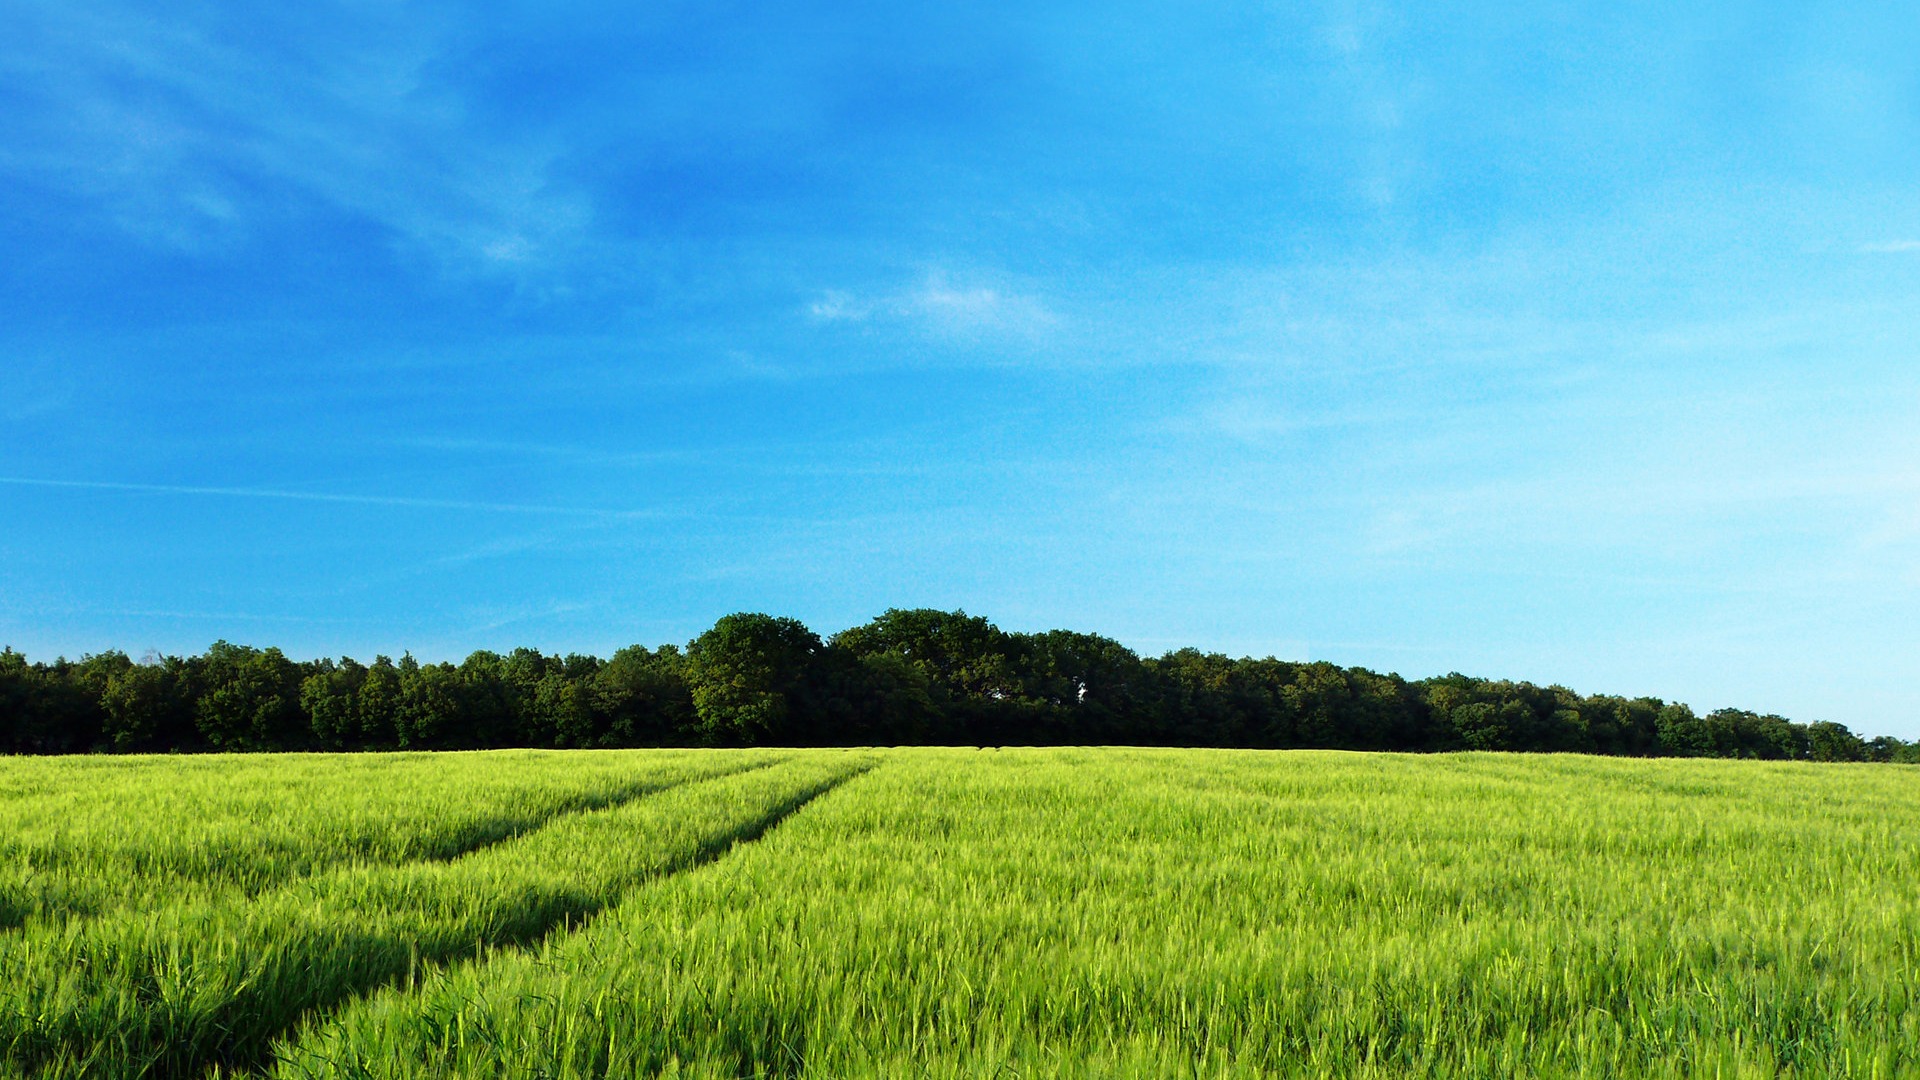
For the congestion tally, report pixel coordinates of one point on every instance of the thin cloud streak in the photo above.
(210, 616)
(321, 497)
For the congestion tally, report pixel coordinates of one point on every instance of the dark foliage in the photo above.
(907, 677)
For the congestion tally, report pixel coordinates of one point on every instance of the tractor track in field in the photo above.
(238, 1036)
(254, 1058)
(16, 911)
(583, 806)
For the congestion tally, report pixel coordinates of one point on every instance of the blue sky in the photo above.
(1577, 343)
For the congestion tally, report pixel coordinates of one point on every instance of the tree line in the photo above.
(908, 677)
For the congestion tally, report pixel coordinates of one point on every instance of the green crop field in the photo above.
(957, 913)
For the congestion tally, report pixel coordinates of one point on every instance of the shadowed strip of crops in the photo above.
(175, 992)
(148, 833)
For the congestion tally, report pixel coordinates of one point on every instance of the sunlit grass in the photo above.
(172, 989)
(1152, 914)
(1031, 913)
(84, 835)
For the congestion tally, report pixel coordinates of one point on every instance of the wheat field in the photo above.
(1070, 912)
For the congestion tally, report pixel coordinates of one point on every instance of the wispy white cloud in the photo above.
(835, 305)
(942, 304)
(974, 309)
(191, 139)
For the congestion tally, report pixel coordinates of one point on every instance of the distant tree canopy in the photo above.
(907, 677)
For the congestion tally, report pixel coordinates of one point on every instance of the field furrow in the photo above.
(174, 991)
(78, 840)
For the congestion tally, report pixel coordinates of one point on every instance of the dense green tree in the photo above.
(560, 711)
(432, 712)
(1888, 748)
(377, 704)
(874, 699)
(1681, 733)
(63, 712)
(749, 678)
(150, 706)
(1346, 708)
(330, 697)
(1210, 699)
(492, 707)
(1566, 727)
(250, 699)
(976, 673)
(1828, 741)
(640, 697)
(18, 705)
(1620, 725)
(1086, 688)
(1485, 725)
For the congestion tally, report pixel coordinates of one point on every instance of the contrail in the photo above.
(314, 496)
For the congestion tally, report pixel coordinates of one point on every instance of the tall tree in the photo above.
(750, 678)
(150, 706)
(250, 699)
(640, 696)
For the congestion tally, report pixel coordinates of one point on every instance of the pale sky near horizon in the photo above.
(1577, 343)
